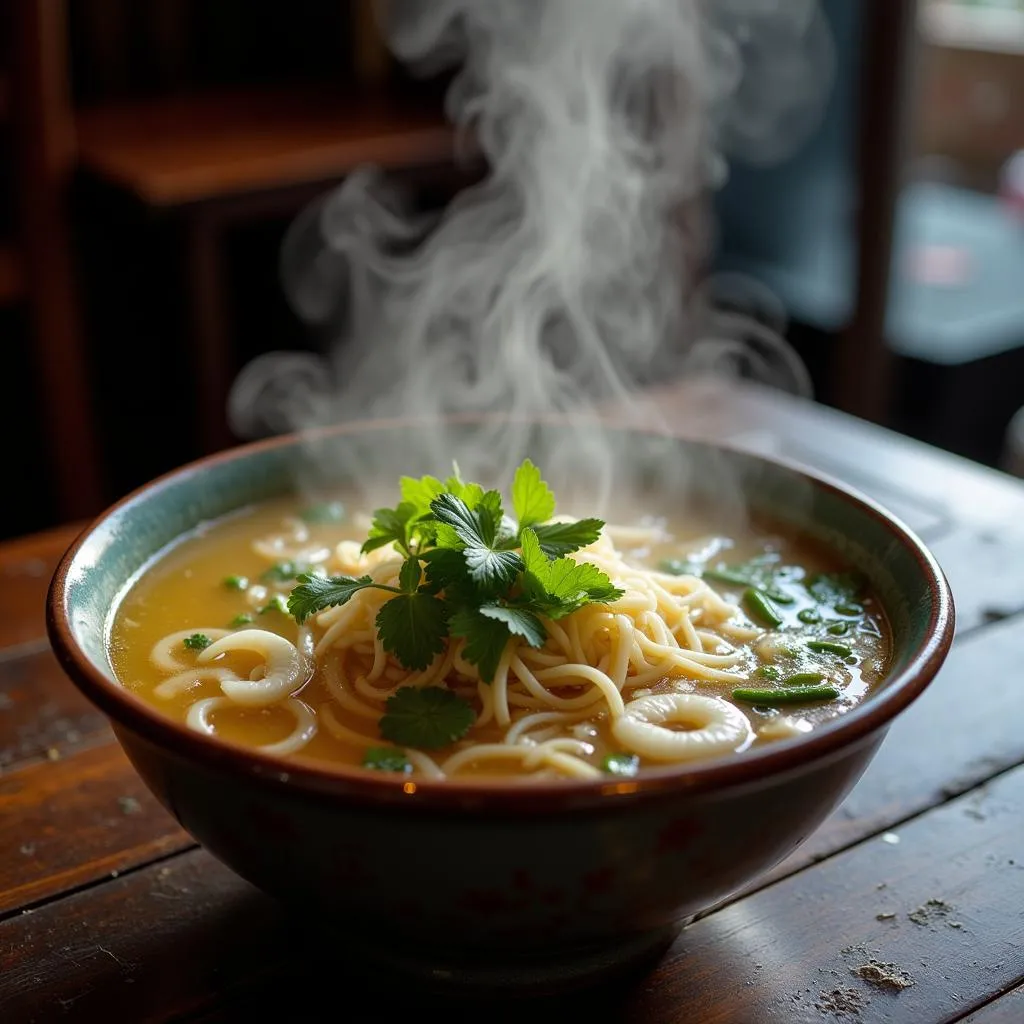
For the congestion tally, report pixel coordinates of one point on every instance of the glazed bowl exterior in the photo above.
(450, 876)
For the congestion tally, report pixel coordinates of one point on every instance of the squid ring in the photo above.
(716, 727)
(285, 667)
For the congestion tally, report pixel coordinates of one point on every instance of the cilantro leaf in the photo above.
(390, 526)
(464, 575)
(477, 530)
(531, 497)
(454, 512)
(469, 493)
(447, 570)
(557, 587)
(490, 505)
(413, 627)
(419, 493)
(486, 639)
(570, 581)
(386, 759)
(425, 717)
(563, 538)
(315, 593)
(409, 575)
(519, 621)
(535, 561)
(491, 567)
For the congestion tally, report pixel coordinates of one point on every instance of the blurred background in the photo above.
(153, 154)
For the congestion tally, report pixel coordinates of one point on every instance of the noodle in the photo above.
(645, 675)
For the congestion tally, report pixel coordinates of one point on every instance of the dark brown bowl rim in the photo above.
(526, 798)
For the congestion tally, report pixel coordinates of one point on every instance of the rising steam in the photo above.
(571, 275)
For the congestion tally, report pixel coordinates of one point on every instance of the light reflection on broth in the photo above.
(235, 575)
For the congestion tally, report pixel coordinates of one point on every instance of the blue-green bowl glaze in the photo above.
(475, 881)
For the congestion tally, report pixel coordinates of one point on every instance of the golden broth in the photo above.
(216, 580)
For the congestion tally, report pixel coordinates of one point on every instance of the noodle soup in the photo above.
(304, 631)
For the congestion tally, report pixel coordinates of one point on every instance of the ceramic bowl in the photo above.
(538, 883)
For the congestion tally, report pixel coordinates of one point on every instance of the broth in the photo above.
(236, 574)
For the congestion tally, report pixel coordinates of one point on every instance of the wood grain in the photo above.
(155, 944)
(806, 933)
(26, 567)
(1007, 1009)
(975, 704)
(186, 149)
(176, 936)
(95, 796)
(770, 957)
(44, 147)
(975, 563)
(42, 716)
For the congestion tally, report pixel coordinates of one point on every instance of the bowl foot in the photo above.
(523, 975)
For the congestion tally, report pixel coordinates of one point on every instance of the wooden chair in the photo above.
(44, 264)
(215, 159)
(236, 157)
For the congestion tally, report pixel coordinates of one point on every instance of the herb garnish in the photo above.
(386, 759)
(275, 603)
(282, 572)
(324, 512)
(197, 642)
(470, 570)
(425, 717)
(620, 764)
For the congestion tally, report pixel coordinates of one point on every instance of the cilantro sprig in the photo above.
(470, 570)
(425, 717)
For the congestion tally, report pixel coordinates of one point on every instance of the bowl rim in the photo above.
(527, 797)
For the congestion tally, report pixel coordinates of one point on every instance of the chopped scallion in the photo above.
(785, 695)
(760, 608)
(620, 764)
(828, 647)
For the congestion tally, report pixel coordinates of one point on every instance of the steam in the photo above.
(570, 278)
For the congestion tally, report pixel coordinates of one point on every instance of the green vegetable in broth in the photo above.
(426, 717)
(324, 512)
(827, 647)
(621, 764)
(467, 631)
(386, 759)
(760, 608)
(785, 695)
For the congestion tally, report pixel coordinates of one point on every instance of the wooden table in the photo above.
(109, 912)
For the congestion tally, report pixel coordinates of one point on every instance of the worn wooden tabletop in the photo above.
(109, 912)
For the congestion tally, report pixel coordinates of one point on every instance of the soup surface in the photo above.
(657, 642)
